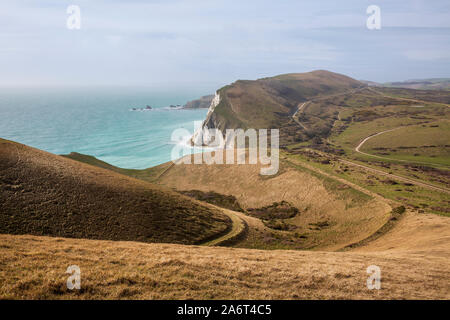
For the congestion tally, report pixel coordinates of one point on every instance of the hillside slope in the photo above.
(130, 270)
(330, 214)
(199, 103)
(46, 194)
(270, 102)
(304, 209)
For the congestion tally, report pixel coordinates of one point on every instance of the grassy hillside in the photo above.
(45, 194)
(311, 105)
(270, 102)
(428, 143)
(361, 169)
(147, 175)
(413, 261)
(298, 208)
(202, 102)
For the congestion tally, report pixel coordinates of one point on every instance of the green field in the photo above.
(414, 197)
(428, 143)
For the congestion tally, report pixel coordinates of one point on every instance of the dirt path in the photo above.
(389, 226)
(342, 180)
(239, 227)
(394, 176)
(370, 137)
(387, 158)
(422, 184)
(300, 108)
(370, 169)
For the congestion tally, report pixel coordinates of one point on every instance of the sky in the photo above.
(210, 43)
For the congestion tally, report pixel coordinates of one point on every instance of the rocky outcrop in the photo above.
(202, 103)
(201, 136)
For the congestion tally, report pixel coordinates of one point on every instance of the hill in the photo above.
(363, 135)
(270, 102)
(307, 106)
(413, 261)
(411, 249)
(364, 172)
(46, 194)
(203, 102)
(298, 209)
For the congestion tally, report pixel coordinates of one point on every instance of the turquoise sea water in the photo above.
(98, 122)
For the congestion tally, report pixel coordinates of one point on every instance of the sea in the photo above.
(99, 121)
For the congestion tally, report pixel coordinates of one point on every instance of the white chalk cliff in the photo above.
(202, 135)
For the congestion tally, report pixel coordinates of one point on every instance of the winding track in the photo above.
(397, 177)
(238, 227)
(370, 137)
(300, 109)
(404, 179)
(367, 168)
(387, 158)
(419, 183)
(301, 106)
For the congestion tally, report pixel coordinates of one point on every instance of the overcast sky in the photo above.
(209, 43)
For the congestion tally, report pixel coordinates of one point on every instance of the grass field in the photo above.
(356, 132)
(428, 143)
(340, 206)
(414, 197)
(330, 215)
(46, 194)
(406, 140)
(413, 260)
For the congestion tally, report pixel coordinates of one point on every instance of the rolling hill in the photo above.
(298, 208)
(412, 254)
(46, 194)
(270, 102)
(363, 180)
(202, 102)
(413, 259)
(307, 106)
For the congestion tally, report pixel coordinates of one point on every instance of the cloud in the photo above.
(141, 42)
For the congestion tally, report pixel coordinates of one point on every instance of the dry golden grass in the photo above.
(34, 267)
(420, 234)
(350, 214)
(413, 256)
(46, 194)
